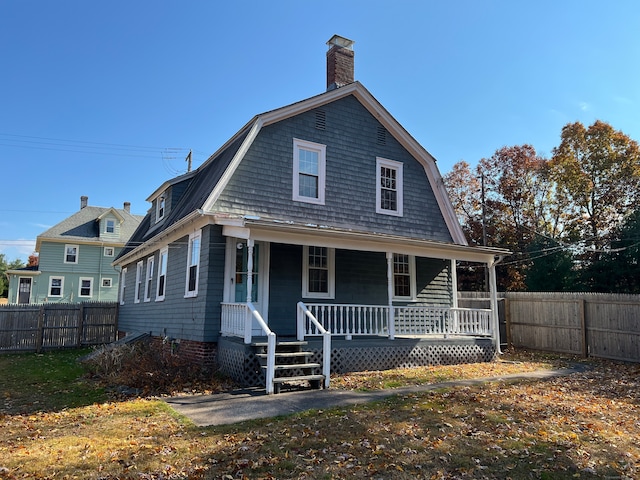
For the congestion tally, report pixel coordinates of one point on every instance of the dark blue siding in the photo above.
(262, 183)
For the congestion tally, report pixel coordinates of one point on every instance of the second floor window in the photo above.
(389, 194)
(149, 280)
(111, 226)
(138, 292)
(123, 284)
(162, 274)
(71, 254)
(309, 166)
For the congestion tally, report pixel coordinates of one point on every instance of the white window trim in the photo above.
(61, 286)
(106, 282)
(398, 167)
(106, 225)
(123, 284)
(412, 280)
(331, 281)
(109, 249)
(192, 237)
(165, 252)
(77, 247)
(160, 213)
(138, 287)
(322, 167)
(90, 279)
(148, 281)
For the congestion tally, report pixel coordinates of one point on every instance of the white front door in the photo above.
(237, 274)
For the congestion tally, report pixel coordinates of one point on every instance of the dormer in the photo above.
(166, 196)
(109, 224)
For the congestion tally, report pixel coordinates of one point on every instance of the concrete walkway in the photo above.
(250, 404)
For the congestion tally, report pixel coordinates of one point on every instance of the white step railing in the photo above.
(237, 321)
(306, 321)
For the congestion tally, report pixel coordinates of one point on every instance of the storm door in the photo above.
(24, 290)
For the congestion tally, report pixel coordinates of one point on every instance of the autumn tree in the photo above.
(596, 171)
(4, 266)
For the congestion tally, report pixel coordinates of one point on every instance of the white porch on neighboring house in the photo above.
(357, 323)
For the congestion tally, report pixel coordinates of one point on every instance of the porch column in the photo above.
(493, 293)
(250, 243)
(454, 283)
(392, 317)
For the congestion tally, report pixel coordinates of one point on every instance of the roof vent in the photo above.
(382, 135)
(321, 119)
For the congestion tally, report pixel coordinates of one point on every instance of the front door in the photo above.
(259, 280)
(24, 290)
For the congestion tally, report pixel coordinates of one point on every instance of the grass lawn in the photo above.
(54, 423)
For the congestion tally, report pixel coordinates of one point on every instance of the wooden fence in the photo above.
(57, 325)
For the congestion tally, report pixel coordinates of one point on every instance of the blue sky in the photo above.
(105, 99)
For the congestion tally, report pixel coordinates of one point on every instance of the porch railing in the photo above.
(354, 320)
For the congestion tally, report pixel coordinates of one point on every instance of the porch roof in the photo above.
(343, 238)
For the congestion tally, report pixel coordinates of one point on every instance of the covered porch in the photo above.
(404, 326)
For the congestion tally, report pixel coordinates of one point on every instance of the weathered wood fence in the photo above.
(588, 324)
(57, 325)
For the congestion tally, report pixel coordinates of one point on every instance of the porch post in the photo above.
(249, 269)
(495, 320)
(454, 283)
(392, 317)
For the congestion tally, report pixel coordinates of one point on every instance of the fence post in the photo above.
(80, 324)
(40, 332)
(583, 327)
(507, 321)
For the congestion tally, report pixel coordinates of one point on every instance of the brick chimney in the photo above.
(84, 201)
(339, 62)
(127, 207)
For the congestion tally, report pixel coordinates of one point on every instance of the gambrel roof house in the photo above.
(320, 231)
(75, 257)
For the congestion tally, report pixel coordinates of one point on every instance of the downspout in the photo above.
(493, 290)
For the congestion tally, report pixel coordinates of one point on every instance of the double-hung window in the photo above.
(389, 194)
(403, 276)
(110, 226)
(309, 168)
(138, 292)
(160, 208)
(148, 286)
(318, 274)
(71, 254)
(56, 286)
(193, 264)
(123, 284)
(85, 289)
(162, 274)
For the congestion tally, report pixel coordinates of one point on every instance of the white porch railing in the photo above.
(237, 321)
(358, 320)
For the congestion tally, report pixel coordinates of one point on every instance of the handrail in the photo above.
(271, 344)
(303, 312)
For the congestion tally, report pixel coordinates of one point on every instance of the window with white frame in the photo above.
(318, 275)
(309, 168)
(110, 226)
(106, 283)
(71, 253)
(56, 286)
(138, 288)
(148, 286)
(160, 208)
(123, 284)
(193, 264)
(162, 274)
(389, 192)
(85, 287)
(109, 251)
(403, 276)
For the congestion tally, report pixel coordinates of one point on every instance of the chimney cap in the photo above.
(341, 42)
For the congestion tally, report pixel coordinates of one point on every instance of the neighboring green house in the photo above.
(75, 258)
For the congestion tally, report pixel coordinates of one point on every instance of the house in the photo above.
(322, 223)
(75, 258)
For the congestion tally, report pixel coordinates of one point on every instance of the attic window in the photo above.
(321, 119)
(160, 206)
(381, 138)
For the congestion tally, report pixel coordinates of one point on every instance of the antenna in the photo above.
(188, 160)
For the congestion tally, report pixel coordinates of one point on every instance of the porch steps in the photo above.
(292, 363)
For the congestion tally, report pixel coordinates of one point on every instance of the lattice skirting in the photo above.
(239, 362)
